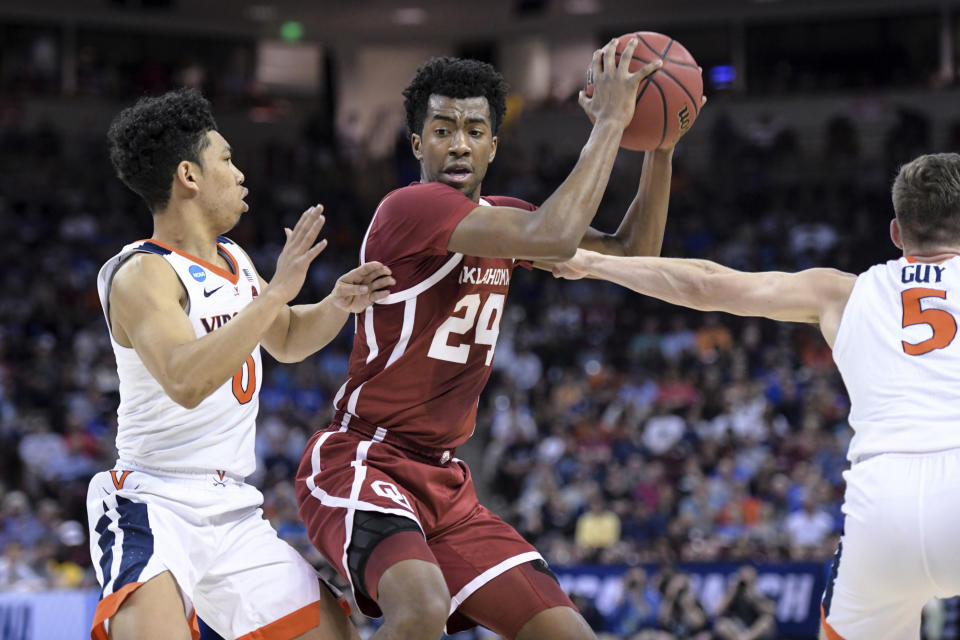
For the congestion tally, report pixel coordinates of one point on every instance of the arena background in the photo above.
(643, 448)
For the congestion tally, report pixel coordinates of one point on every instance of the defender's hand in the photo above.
(615, 86)
(358, 289)
(574, 268)
(298, 252)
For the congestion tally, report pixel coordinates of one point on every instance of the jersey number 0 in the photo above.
(242, 393)
(942, 323)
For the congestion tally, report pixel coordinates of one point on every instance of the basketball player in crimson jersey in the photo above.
(380, 490)
(893, 332)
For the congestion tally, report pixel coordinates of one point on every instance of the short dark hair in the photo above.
(454, 78)
(149, 139)
(926, 199)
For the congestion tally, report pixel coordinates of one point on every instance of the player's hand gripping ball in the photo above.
(668, 100)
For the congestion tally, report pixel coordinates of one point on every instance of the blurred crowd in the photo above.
(614, 430)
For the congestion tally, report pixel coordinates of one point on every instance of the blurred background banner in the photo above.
(57, 614)
(794, 587)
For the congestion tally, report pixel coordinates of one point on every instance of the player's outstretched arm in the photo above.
(814, 295)
(147, 313)
(555, 229)
(641, 231)
(304, 329)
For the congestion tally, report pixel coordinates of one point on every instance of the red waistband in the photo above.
(433, 455)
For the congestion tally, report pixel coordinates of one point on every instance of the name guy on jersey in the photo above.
(921, 273)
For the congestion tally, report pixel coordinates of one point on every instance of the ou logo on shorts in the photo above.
(389, 490)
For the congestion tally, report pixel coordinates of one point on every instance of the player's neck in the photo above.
(933, 255)
(185, 233)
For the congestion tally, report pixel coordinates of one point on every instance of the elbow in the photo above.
(187, 396)
(562, 248)
(564, 253)
(285, 357)
(541, 240)
(187, 401)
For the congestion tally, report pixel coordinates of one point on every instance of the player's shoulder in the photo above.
(417, 192)
(143, 269)
(140, 266)
(507, 201)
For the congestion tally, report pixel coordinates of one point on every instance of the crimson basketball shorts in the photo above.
(366, 469)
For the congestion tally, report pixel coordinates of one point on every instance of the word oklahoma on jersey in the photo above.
(422, 355)
(898, 352)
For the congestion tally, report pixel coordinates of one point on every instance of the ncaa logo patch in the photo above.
(198, 273)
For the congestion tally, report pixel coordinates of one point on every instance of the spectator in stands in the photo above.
(638, 607)
(681, 614)
(16, 574)
(599, 527)
(19, 524)
(808, 528)
(744, 614)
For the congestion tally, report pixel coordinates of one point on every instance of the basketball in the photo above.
(668, 100)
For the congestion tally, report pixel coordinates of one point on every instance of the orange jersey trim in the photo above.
(831, 633)
(289, 626)
(233, 278)
(194, 625)
(109, 606)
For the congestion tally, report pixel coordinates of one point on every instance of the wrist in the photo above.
(271, 297)
(666, 153)
(611, 124)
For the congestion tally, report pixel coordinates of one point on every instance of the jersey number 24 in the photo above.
(487, 328)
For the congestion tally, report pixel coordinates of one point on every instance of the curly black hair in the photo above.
(454, 78)
(149, 139)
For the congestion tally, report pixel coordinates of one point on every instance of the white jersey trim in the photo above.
(371, 334)
(417, 289)
(409, 315)
(471, 587)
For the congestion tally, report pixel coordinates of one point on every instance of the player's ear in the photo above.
(185, 177)
(416, 145)
(493, 148)
(895, 234)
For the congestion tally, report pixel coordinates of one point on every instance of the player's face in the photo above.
(457, 143)
(221, 190)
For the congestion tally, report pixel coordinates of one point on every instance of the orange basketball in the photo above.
(668, 100)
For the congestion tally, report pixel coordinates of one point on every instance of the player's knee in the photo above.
(422, 619)
(414, 599)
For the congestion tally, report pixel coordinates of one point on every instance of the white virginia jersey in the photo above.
(897, 353)
(218, 434)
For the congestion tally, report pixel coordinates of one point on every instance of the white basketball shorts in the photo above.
(899, 546)
(208, 531)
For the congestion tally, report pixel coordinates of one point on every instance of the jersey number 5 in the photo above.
(943, 324)
(487, 328)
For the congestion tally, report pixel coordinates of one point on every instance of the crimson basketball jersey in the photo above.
(422, 355)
